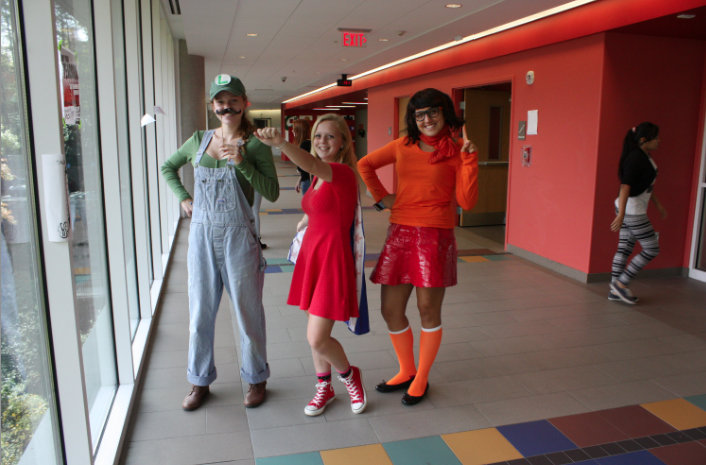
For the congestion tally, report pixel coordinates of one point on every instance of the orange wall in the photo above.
(550, 204)
(659, 80)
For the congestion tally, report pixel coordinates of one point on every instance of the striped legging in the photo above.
(634, 227)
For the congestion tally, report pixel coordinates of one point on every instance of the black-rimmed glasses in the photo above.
(433, 112)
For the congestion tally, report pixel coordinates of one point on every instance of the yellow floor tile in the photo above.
(481, 446)
(474, 259)
(679, 413)
(373, 455)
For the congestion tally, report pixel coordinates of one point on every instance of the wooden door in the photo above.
(487, 115)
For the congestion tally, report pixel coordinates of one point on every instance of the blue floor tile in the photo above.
(496, 258)
(423, 451)
(273, 269)
(635, 458)
(310, 458)
(536, 438)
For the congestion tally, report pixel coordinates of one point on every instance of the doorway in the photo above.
(487, 111)
(697, 267)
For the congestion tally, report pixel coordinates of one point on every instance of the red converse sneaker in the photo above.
(354, 384)
(324, 396)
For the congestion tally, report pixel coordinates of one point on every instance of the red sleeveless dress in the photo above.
(324, 275)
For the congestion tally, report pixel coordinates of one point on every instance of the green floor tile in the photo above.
(310, 458)
(278, 261)
(496, 258)
(699, 401)
(424, 451)
(287, 268)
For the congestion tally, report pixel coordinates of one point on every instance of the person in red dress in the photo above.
(420, 249)
(324, 280)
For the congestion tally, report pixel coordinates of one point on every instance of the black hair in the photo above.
(632, 140)
(430, 98)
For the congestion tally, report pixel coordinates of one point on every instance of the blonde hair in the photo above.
(346, 155)
(302, 131)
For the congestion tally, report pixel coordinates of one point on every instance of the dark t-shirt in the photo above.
(638, 172)
(304, 176)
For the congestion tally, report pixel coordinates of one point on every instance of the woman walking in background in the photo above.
(420, 249)
(637, 172)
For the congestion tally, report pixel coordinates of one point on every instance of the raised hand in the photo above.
(468, 145)
(232, 152)
(269, 136)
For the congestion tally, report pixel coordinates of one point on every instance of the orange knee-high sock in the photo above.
(429, 344)
(403, 342)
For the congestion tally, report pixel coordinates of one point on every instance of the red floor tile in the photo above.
(588, 429)
(635, 421)
(688, 453)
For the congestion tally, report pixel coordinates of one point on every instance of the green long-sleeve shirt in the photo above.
(256, 170)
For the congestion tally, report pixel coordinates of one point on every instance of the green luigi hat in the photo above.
(225, 82)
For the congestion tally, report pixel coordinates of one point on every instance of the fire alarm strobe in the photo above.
(344, 81)
(529, 77)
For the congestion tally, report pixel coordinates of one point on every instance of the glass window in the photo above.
(74, 28)
(124, 163)
(29, 419)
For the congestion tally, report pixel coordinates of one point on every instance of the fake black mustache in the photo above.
(225, 111)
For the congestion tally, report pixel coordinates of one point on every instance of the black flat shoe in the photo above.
(384, 387)
(414, 400)
(262, 246)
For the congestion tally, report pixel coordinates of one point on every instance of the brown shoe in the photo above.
(195, 397)
(255, 395)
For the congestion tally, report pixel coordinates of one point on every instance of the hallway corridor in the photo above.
(521, 344)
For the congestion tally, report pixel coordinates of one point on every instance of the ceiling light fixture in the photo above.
(453, 5)
(344, 59)
(480, 35)
(251, 35)
(686, 16)
(383, 40)
(242, 56)
(327, 109)
(340, 106)
(355, 103)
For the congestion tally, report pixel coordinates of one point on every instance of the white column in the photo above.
(45, 103)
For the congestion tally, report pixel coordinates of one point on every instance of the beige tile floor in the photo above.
(520, 343)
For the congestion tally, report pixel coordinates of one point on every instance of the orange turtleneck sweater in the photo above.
(424, 190)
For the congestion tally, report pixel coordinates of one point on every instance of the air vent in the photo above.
(174, 6)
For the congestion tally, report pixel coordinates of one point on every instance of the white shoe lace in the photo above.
(353, 391)
(320, 397)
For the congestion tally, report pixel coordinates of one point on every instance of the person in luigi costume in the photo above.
(229, 166)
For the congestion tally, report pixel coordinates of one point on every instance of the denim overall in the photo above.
(223, 251)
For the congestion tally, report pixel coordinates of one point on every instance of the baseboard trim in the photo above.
(590, 277)
(547, 263)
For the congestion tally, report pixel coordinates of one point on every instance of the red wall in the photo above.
(550, 204)
(659, 80)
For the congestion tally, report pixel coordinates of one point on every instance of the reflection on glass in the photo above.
(29, 422)
(81, 145)
(124, 164)
(701, 254)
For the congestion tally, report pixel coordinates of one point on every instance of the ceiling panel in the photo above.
(300, 38)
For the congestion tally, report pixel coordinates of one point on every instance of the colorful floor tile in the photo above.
(690, 453)
(310, 458)
(588, 429)
(679, 413)
(481, 447)
(699, 401)
(356, 455)
(424, 451)
(536, 438)
(472, 259)
(635, 421)
(634, 435)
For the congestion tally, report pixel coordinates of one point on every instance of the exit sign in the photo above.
(354, 39)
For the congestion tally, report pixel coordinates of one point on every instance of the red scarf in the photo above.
(443, 143)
